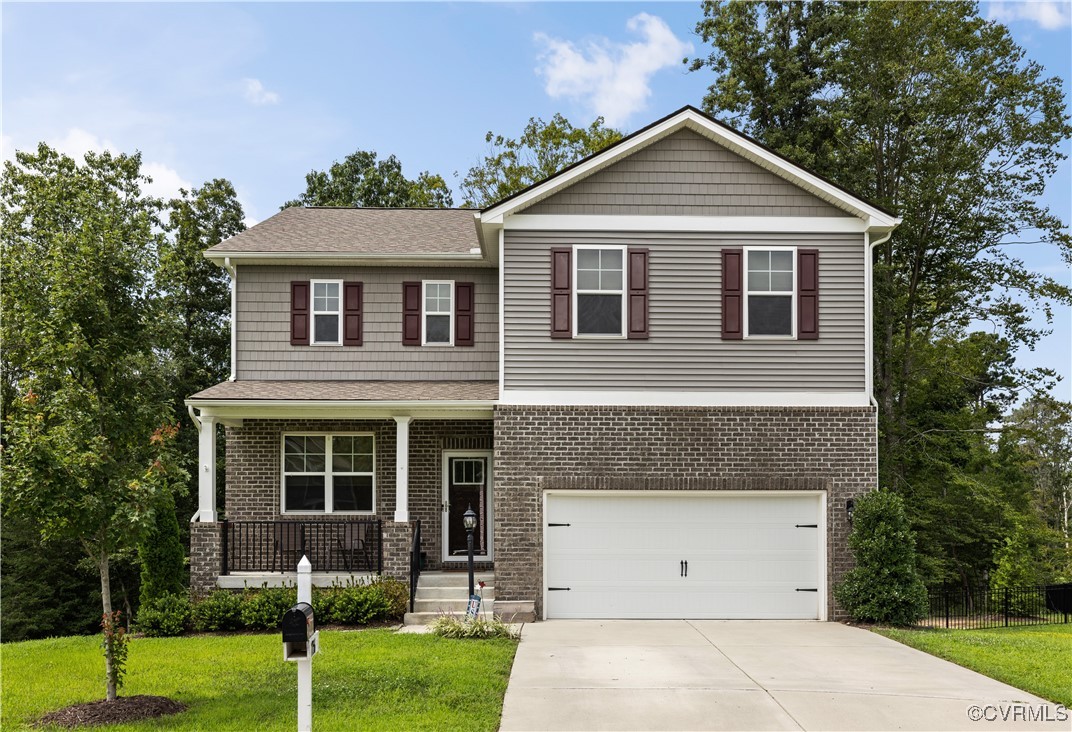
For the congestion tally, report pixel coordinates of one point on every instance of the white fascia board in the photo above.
(726, 137)
(591, 398)
(349, 258)
(270, 409)
(734, 224)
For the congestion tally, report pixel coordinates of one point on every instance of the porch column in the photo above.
(402, 468)
(206, 471)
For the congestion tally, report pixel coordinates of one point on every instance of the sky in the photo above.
(261, 94)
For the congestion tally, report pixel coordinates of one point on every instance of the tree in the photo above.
(933, 112)
(362, 180)
(884, 586)
(194, 306)
(85, 454)
(543, 149)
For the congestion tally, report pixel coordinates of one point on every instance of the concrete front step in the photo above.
(453, 579)
(443, 593)
(451, 593)
(449, 606)
(424, 618)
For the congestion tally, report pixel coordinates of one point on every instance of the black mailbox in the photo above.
(298, 626)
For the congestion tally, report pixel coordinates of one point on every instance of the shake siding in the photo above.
(263, 338)
(684, 351)
(685, 175)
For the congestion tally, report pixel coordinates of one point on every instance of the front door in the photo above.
(467, 477)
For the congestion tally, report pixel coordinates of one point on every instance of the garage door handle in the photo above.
(558, 524)
(558, 589)
(807, 526)
(807, 589)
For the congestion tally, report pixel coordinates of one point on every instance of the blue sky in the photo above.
(262, 93)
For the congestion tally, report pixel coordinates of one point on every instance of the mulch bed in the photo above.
(123, 709)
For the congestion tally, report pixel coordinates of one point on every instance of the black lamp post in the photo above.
(469, 521)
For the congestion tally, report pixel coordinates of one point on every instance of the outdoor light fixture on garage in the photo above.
(850, 509)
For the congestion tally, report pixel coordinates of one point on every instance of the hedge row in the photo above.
(381, 599)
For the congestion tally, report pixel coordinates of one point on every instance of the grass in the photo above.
(369, 680)
(1033, 658)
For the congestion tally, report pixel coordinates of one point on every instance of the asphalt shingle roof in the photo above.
(388, 391)
(360, 231)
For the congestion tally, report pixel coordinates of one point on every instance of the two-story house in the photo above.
(649, 375)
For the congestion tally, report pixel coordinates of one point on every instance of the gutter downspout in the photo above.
(869, 277)
(234, 334)
(197, 423)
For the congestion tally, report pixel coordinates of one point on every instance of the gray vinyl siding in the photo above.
(263, 333)
(685, 174)
(684, 351)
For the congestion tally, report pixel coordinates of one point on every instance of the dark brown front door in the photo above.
(467, 487)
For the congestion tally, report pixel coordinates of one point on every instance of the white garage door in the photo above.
(644, 554)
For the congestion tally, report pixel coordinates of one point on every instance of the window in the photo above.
(438, 313)
(599, 304)
(327, 312)
(769, 290)
(329, 473)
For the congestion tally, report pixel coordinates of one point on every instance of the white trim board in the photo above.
(694, 120)
(593, 398)
(729, 224)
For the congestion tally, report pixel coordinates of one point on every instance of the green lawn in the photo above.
(370, 680)
(1035, 658)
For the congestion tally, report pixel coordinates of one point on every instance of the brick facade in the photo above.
(254, 483)
(671, 448)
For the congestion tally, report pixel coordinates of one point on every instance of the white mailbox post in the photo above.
(301, 641)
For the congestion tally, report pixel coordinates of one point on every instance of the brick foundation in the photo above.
(204, 557)
(671, 448)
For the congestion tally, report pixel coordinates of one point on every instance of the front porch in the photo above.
(344, 483)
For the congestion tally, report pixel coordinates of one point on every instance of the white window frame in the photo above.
(577, 290)
(313, 312)
(781, 293)
(328, 474)
(425, 313)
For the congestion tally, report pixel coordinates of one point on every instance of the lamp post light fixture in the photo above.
(850, 509)
(469, 522)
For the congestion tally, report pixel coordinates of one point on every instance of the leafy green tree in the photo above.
(543, 149)
(932, 111)
(884, 586)
(194, 307)
(362, 180)
(86, 456)
(163, 565)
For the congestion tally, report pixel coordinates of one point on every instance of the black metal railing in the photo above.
(984, 608)
(414, 563)
(278, 546)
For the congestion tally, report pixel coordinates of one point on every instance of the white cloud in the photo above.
(7, 148)
(611, 78)
(1047, 14)
(255, 93)
(166, 181)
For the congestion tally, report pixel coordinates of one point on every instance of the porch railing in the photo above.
(277, 546)
(983, 608)
(414, 563)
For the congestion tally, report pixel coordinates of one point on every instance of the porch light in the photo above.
(469, 522)
(850, 509)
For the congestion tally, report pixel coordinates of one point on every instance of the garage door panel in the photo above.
(621, 556)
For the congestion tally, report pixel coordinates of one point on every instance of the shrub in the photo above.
(163, 561)
(324, 604)
(396, 593)
(165, 616)
(360, 604)
(884, 587)
(458, 626)
(222, 610)
(264, 609)
(1017, 567)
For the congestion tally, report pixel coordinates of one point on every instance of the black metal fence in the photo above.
(414, 563)
(278, 546)
(978, 609)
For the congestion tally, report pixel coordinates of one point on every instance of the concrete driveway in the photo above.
(743, 675)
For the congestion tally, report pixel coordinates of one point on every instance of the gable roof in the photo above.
(689, 117)
(359, 233)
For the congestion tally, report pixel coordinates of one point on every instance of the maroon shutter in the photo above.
(638, 293)
(411, 313)
(351, 313)
(808, 294)
(732, 294)
(299, 313)
(463, 313)
(561, 297)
